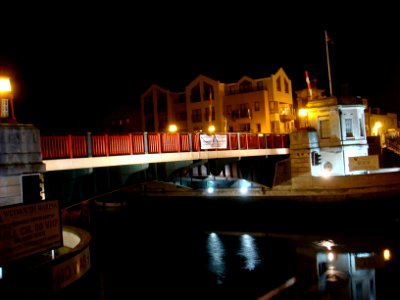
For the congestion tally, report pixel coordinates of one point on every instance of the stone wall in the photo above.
(19, 155)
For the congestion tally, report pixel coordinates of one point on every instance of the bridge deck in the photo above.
(120, 160)
(80, 152)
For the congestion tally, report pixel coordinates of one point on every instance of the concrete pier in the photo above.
(21, 165)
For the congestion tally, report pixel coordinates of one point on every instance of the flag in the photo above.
(308, 80)
(308, 84)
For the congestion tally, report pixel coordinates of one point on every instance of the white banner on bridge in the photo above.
(213, 141)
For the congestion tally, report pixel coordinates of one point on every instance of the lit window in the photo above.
(4, 108)
(349, 127)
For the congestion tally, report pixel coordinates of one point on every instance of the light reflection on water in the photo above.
(337, 273)
(216, 252)
(248, 249)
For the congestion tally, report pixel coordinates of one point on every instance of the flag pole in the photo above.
(328, 63)
(210, 108)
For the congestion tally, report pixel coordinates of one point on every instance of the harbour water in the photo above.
(199, 249)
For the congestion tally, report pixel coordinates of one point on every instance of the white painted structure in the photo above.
(340, 127)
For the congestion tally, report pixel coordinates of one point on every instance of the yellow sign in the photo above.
(27, 229)
(361, 163)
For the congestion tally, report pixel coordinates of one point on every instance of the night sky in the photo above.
(70, 66)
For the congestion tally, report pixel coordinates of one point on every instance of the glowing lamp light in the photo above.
(210, 190)
(386, 254)
(211, 129)
(303, 118)
(331, 256)
(303, 113)
(326, 173)
(6, 101)
(375, 129)
(172, 128)
(5, 85)
(328, 244)
(244, 190)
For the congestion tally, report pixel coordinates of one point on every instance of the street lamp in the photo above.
(376, 128)
(6, 101)
(172, 128)
(303, 116)
(211, 129)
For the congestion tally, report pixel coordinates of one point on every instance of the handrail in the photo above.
(77, 146)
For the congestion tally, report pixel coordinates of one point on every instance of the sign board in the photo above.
(71, 270)
(370, 262)
(27, 229)
(213, 141)
(360, 163)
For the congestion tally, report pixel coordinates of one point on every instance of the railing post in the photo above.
(146, 143)
(190, 142)
(130, 143)
(107, 144)
(238, 139)
(266, 140)
(89, 144)
(69, 147)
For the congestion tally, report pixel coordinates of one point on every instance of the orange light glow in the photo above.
(172, 128)
(5, 85)
(386, 254)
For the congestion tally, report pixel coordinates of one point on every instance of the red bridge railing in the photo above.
(75, 146)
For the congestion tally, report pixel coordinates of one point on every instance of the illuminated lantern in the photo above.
(6, 101)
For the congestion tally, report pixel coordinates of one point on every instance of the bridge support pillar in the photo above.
(21, 166)
(301, 145)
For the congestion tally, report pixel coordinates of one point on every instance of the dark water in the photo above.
(227, 248)
(166, 248)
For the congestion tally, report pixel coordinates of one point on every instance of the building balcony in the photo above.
(287, 117)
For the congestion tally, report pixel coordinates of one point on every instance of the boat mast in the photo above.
(328, 63)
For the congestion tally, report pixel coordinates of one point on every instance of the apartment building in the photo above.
(161, 108)
(262, 105)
